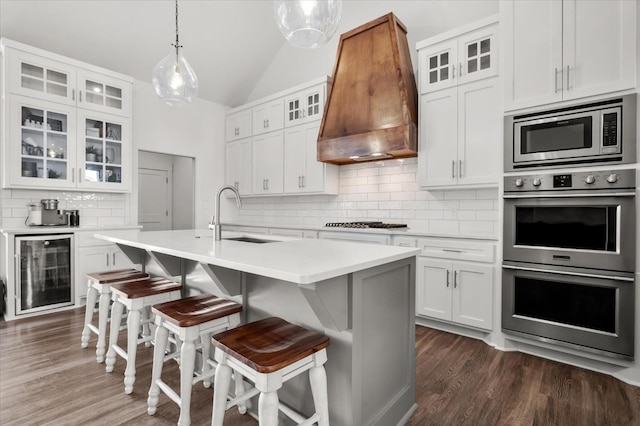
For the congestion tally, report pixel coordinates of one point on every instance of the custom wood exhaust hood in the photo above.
(371, 111)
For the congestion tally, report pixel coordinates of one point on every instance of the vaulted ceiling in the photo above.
(228, 43)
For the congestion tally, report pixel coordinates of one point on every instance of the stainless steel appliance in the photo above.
(569, 259)
(602, 132)
(51, 216)
(44, 279)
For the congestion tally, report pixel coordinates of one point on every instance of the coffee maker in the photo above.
(51, 215)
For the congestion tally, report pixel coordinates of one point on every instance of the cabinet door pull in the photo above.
(73, 94)
(455, 279)
(302, 181)
(107, 259)
(447, 278)
(555, 80)
(460, 69)
(73, 174)
(267, 184)
(459, 168)
(453, 168)
(568, 85)
(299, 184)
(79, 95)
(452, 250)
(113, 256)
(453, 71)
(79, 174)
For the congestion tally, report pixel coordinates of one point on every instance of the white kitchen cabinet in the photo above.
(462, 56)
(356, 237)
(303, 173)
(238, 166)
(95, 256)
(268, 116)
(454, 282)
(57, 111)
(49, 77)
(569, 49)
(267, 163)
(104, 152)
(460, 135)
(238, 125)
(305, 106)
(460, 292)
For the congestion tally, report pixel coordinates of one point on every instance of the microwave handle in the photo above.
(551, 271)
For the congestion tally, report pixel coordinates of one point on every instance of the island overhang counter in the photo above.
(361, 296)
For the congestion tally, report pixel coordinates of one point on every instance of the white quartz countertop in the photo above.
(302, 261)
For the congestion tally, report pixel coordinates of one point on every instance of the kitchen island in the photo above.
(361, 296)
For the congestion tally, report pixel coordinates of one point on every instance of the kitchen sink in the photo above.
(250, 240)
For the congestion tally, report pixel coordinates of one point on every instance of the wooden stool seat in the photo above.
(195, 310)
(270, 344)
(137, 297)
(189, 319)
(269, 352)
(99, 283)
(146, 287)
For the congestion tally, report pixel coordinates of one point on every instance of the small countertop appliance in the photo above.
(46, 213)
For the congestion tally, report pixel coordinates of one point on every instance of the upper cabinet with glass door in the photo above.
(44, 75)
(305, 106)
(450, 59)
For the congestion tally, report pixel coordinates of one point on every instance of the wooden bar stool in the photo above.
(189, 319)
(100, 283)
(269, 352)
(136, 297)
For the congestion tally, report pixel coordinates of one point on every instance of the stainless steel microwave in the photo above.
(597, 133)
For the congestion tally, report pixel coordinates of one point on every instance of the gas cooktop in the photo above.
(365, 225)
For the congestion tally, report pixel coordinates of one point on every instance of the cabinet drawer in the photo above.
(405, 241)
(457, 249)
(361, 238)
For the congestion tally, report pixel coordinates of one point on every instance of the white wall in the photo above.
(423, 19)
(194, 131)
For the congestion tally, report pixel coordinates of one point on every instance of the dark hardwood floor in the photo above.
(47, 379)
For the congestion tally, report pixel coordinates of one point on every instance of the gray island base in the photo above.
(361, 296)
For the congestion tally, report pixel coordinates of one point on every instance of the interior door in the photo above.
(154, 200)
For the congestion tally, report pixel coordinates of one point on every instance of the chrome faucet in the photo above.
(217, 228)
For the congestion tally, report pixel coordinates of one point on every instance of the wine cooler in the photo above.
(44, 272)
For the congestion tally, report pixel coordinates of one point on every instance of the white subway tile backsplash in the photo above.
(386, 191)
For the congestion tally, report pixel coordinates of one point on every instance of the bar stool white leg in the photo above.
(146, 329)
(222, 381)
(103, 314)
(92, 295)
(162, 337)
(187, 364)
(242, 406)
(318, 380)
(205, 339)
(133, 327)
(268, 408)
(116, 318)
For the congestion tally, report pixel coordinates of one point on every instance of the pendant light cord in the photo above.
(177, 44)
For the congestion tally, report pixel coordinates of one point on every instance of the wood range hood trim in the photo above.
(371, 111)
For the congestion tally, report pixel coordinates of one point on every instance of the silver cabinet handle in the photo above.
(107, 259)
(299, 184)
(79, 95)
(113, 256)
(73, 174)
(568, 85)
(80, 175)
(267, 184)
(453, 168)
(302, 181)
(455, 279)
(460, 69)
(459, 168)
(555, 80)
(453, 71)
(73, 94)
(448, 277)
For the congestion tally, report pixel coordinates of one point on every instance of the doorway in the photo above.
(166, 191)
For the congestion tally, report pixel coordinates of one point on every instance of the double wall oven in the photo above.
(569, 259)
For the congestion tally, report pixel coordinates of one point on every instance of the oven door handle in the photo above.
(550, 271)
(568, 195)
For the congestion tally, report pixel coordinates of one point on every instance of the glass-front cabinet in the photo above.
(46, 79)
(42, 149)
(102, 93)
(56, 146)
(104, 149)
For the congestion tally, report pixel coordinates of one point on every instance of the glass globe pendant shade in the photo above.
(174, 79)
(307, 23)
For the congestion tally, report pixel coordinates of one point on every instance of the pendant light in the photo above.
(307, 23)
(173, 78)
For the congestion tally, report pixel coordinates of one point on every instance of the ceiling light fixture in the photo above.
(307, 24)
(173, 78)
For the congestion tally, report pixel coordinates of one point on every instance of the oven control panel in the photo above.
(597, 179)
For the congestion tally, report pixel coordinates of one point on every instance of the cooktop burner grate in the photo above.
(365, 225)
